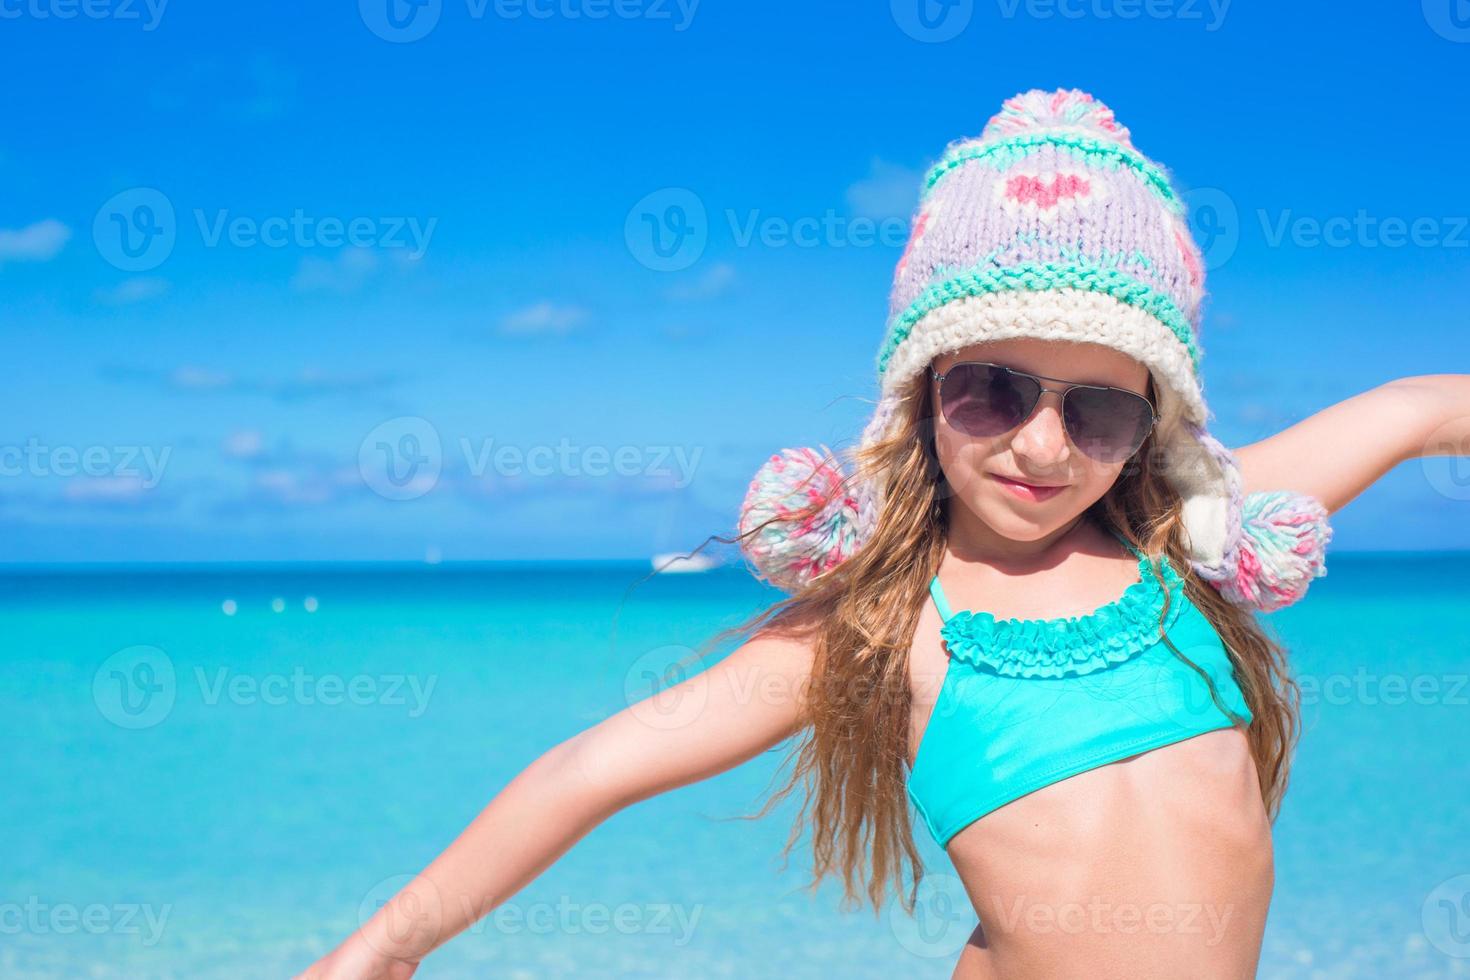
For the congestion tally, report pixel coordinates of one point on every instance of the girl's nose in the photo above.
(1042, 438)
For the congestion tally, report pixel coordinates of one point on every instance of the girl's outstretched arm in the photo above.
(1342, 450)
(709, 723)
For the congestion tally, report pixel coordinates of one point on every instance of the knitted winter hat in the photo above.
(1050, 225)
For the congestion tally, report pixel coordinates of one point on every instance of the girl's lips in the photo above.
(1026, 491)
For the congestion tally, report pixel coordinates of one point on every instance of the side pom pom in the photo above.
(806, 517)
(1039, 110)
(1283, 544)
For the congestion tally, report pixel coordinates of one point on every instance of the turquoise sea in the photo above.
(191, 793)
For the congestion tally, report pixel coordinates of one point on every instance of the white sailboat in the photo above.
(678, 561)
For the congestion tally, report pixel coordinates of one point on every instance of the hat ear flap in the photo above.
(802, 516)
(1260, 550)
(1205, 475)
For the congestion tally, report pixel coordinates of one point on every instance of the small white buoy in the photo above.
(278, 604)
(228, 607)
(310, 604)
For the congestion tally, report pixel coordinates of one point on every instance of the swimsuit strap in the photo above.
(940, 602)
(1126, 543)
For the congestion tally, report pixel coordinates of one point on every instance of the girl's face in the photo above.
(1064, 481)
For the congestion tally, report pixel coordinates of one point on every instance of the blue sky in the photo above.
(350, 236)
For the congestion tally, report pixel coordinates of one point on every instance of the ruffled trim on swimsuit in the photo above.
(1070, 645)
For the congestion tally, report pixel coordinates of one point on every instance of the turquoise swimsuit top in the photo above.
(1028, 702)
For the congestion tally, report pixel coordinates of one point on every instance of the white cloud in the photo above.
(347, 272)
(39, 242)
(194, 377)
(135, 290)
(716, 280)
(244, 444)
(105, 488)
(351, 269)
(889, 191)
(545, 317)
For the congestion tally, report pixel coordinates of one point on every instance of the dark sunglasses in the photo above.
(983, 399)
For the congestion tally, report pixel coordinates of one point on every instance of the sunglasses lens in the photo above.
(984, 400)
(1107, 424)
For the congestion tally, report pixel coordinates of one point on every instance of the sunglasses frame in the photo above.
(1154, 417)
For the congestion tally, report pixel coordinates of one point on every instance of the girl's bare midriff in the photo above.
(1156, 866)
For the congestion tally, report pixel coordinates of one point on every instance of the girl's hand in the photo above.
(355, 959)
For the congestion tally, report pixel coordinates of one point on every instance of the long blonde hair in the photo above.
(860, 619)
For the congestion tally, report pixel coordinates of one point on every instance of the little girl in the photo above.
(1030, 609)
